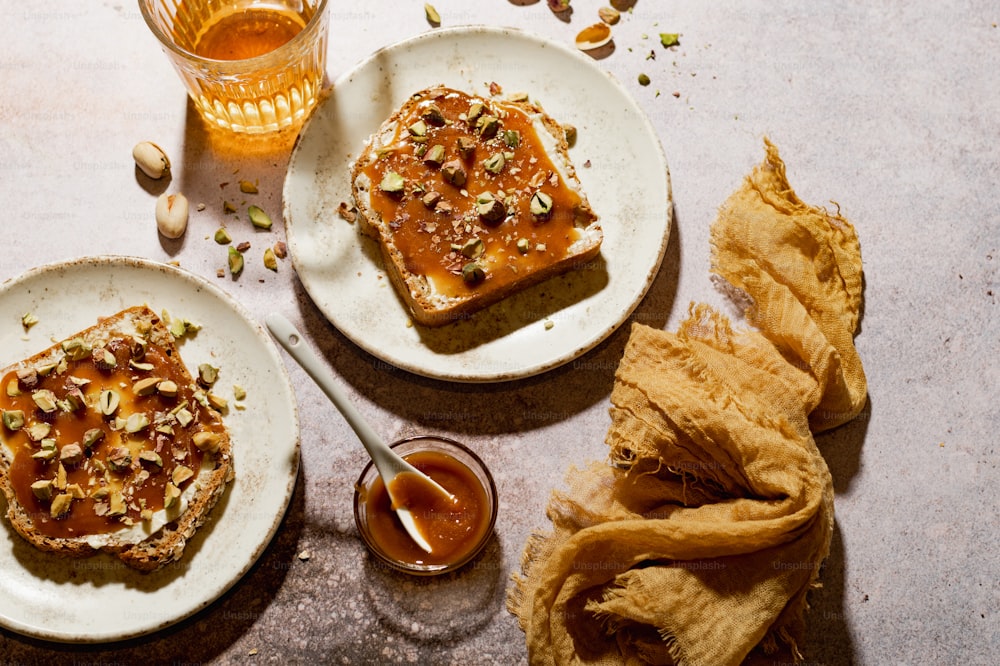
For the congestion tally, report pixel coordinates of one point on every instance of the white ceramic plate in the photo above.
(99, 599)
(626, 181)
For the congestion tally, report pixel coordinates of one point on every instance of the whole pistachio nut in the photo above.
(172, 215)
(151, 159)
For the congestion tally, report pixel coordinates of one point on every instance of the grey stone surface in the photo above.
(890, 109)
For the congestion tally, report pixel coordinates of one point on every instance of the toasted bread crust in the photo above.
(427, 307)
(166, 544)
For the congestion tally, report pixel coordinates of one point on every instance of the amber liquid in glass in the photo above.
(247, 33)
(247, 81)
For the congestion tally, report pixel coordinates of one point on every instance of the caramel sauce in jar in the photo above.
(452, 528)
(112, 468)
(436, 220)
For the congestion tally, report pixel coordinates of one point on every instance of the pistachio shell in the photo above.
(172, 215)
(151, 159)
(593, 37)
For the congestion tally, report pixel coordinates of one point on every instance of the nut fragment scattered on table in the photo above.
(235, 261)
(151, 159)
(258, 217)
(593, 37)
(432, 15)
(609, 15)
(668, 39)
(172, 215)
(270, 261)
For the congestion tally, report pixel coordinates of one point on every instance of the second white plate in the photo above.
(619, 161)
(99, 599)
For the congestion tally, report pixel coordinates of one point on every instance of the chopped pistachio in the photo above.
(45, 399)
(178, 328)
(91, 437)
(76, 348)
(75, 400)
(136, 422)
(171, 495)
(488, 126)
(475, 110)
(392, 183)
(28, 320)
(184, 417)
(71, 454)
(434, 155)
(235, 261)
(45, 454)
(119, 458)
(61, 505)
(523, 245)
(216, 402)
(42, 489)
(13, 419)
(668, 39)
(432, 116)
(473, 273)
(418, 129)
(430, 199)
(167, 388)
(466, 147)
(222, 236)
(239, 393)
(453, 172)
(258, 217)
(206, 441)
(146, 386)
(569, 131)
(270, 261)
(541, 204)
(117, 504)
(13, 390)
(39, 431)
(432, 15)
(108, 402)
(246, 187)
(473, 248)
(208, 374)
(490, 209)
(151, 457)
(181, 474)
(495, 163)
(512, 138)
(27, 378)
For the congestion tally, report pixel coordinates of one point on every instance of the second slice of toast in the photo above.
(471, 199)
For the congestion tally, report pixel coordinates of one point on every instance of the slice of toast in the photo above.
(108, 443)
(471, 199)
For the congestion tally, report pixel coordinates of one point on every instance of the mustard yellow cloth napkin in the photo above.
(701, 539)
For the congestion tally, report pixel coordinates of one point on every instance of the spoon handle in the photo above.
(292, 341)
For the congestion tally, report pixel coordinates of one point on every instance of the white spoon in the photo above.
(387, 462)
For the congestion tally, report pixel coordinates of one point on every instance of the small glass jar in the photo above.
(470, 521)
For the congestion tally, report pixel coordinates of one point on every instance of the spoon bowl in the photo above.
(387, 462)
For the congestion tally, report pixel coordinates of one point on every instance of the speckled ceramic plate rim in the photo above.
(630, 191)
(67, 296)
